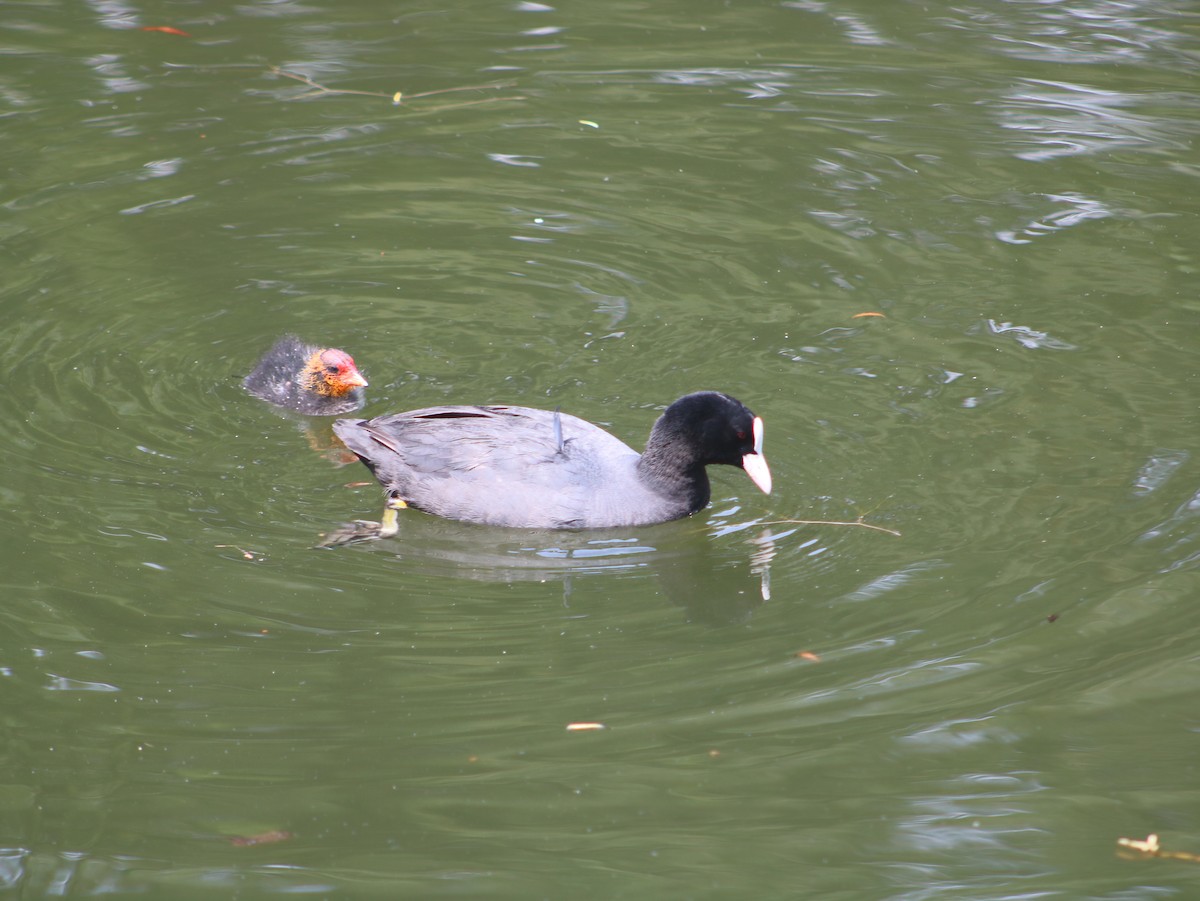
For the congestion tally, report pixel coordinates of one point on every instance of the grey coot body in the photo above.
(315, 381)
(527, 468)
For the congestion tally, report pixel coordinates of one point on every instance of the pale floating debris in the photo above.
(1149, 846)
(249, 555)
(589, 123)
(585, 727)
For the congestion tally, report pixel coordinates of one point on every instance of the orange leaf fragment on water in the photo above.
(263, 838)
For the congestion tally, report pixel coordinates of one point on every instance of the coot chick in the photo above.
(539, 469)
(316, 381)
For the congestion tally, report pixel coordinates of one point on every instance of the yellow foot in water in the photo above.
(351, 533)
(365, 530)
(390, 524)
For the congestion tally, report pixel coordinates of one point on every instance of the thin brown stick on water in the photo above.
(496, 85)
(398, 96)
(1149, 847)
(826, 522)
(413, 111)
(319, 88)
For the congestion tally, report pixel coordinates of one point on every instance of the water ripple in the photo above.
(1065, 119)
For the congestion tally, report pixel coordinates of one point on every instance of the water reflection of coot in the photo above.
(714, 579)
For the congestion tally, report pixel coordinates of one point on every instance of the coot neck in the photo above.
(670, 469)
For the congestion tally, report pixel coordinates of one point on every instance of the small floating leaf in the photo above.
(263, 838)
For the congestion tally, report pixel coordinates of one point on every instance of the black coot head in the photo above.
(715, 428)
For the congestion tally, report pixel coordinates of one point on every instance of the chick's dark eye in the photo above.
(333, 369)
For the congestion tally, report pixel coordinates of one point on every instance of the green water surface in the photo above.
(627, 202)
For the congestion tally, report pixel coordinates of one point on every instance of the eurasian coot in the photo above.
(316, 381)
(526, 468)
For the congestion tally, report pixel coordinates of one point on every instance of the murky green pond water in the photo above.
(628, 203)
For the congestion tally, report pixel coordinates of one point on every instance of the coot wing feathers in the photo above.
(501, 465)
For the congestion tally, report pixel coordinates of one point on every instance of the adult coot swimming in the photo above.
(316, 381)
(540, 469)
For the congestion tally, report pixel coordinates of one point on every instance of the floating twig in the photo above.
(397, 97)
(1149, 847)
(826, 522)
(249, 555)
(318, 89)
(481, 102)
